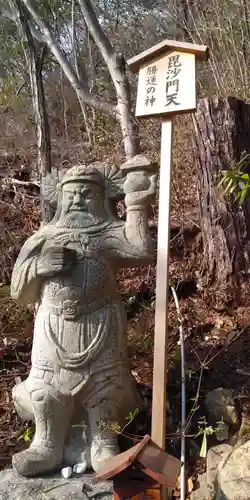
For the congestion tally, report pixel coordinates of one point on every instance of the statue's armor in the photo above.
(78, 326)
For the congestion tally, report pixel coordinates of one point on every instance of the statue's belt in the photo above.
(71, 309)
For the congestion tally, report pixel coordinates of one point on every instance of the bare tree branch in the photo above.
(83, 81)
(117, 69)
(12, 15)
(116, 66)
(20, 88)
(37, 34)
(9, 180)
(96, 31)
(65, 64)
(8, 13)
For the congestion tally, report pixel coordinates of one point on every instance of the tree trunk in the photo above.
(34, 55)
(35, 64)
(129, 127)
(221, 136)
(185, 14)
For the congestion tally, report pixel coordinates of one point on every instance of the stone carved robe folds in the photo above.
(79, 356)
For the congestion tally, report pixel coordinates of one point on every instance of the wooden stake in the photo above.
(166, 87)
(158, 431)
(161, 307)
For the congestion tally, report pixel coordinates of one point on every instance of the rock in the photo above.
(202, 492)
(207, 481)
(244, 432)
(233, 475)
(66, 472)
(15, 487)
(214, 457)
(222, 431)
(220, 405)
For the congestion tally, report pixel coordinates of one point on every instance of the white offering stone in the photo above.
(66, 472)
(80, 468)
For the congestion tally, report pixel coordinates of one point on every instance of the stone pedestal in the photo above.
(15, 487)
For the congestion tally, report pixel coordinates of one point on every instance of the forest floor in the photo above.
(217, 340)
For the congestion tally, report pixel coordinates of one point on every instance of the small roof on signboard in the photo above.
(200, 51)
(157, 463)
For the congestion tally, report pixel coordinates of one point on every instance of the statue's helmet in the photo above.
(82, 173)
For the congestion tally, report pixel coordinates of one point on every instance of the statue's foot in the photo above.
(36, 461)
(102, 449)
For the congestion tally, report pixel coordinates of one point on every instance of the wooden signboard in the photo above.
(166, 87)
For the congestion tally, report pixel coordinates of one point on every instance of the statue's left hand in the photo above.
(135, 196)
(54, 260)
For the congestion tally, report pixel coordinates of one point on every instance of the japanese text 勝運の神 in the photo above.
(151, 84)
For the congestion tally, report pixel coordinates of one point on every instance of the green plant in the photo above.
(207, 430)
(117, 428)
(236, 180)
(204, 430)
(26, 435)
(83, 425)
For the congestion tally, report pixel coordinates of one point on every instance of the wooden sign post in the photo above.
(166, 87)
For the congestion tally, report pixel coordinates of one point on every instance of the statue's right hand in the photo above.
(54, 260)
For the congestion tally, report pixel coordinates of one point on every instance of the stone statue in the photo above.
(79, 359)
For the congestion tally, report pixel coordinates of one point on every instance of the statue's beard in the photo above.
(79, 220)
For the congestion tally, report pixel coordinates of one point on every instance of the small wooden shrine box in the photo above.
(141, 471)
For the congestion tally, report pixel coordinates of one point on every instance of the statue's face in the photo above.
(82, 204)
(81, 197)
